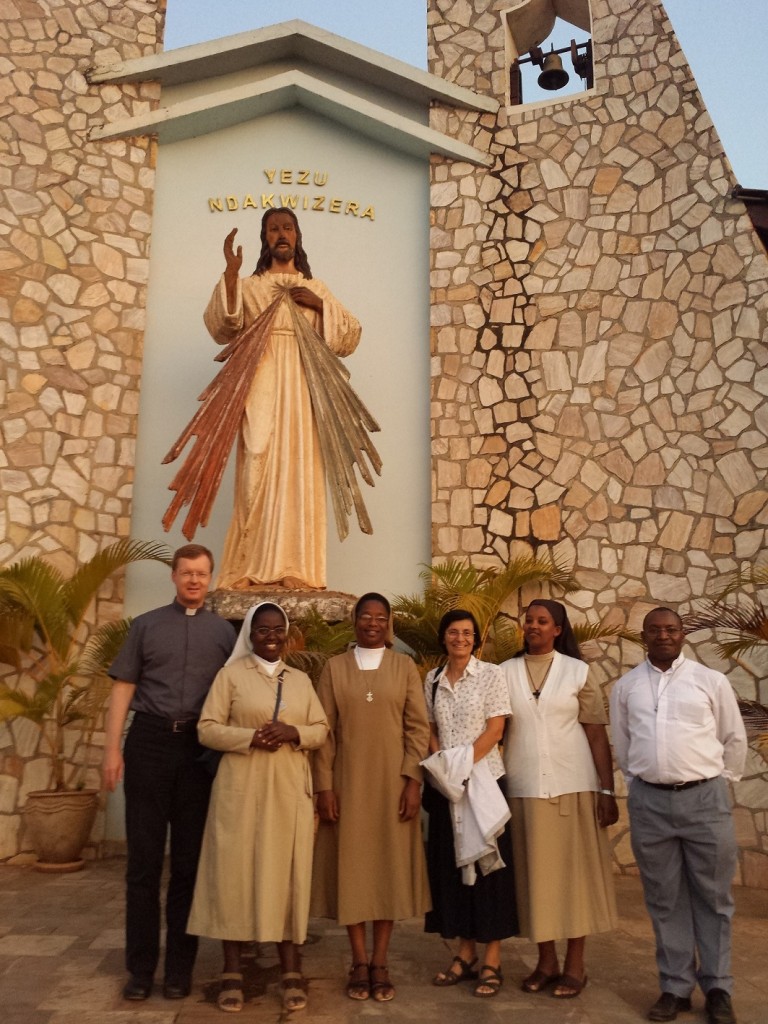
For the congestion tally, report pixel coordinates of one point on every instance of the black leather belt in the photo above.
(675, 785)
(166, 724)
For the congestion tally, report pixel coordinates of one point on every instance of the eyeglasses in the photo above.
(460, 634)
(262, 632)
(380, 620)
(188, 574)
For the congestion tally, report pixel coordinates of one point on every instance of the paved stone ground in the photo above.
(61, 962)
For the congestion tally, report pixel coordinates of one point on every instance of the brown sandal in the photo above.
(572, 986)
(382, 990)
(359, 984)
(538, 981)
(231, 999)
(294, 996)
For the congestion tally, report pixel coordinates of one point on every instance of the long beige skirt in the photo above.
(562, 868)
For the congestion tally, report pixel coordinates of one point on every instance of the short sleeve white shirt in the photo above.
(461, 711)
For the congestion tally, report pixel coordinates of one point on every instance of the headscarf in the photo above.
(565, 642)
(243, 645)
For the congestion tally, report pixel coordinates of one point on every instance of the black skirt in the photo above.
(485, 911)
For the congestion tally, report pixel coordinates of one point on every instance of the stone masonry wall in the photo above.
(75, 222)
(599, 309)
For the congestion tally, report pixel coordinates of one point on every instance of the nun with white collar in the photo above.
(253, 881)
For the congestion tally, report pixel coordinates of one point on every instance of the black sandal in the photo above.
(493, 982)
(359, 988)
(448, 977)
(383, 990)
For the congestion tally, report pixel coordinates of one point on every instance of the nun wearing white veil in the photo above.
(255, 869)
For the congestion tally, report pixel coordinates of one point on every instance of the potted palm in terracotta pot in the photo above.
(58, 682)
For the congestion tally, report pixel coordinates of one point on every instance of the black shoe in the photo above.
(719, 1008)
(667, 1007)
(175, 989)
(137, 988)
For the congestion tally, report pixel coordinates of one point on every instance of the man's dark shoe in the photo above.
(667, 1007)
(137, 988)
(719, 1008)
(175, 988)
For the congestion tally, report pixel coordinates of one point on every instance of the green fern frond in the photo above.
(313, 633)
(311, 662)
(419, 634)
(752, 577)
(504, 642)
(528, 569)
(36, 706)
(84, 584)
(60, 678)
(13, 703)
(741, 628)
(101, 648)
(85, 702)
(412, 605)
(588, 631)
(17, 633)
(34, 588)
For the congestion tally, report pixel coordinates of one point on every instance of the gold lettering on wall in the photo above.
(293, 176)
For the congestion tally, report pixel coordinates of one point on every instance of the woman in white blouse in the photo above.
(467, 705)
(560, 788)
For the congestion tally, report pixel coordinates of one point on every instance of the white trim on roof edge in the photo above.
(199, 116)
(277, 42)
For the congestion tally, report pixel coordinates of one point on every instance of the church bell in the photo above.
(553, 75)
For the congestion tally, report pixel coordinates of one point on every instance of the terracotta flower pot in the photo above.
(59, 825)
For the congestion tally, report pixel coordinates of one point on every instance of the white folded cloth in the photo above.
(479, 811)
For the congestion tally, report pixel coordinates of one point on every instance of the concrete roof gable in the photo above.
(290, 39)
(229, 107)
(293, 64)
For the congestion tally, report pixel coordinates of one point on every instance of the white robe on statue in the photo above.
(278, 526)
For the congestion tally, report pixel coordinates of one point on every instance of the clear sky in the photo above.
(724, 42)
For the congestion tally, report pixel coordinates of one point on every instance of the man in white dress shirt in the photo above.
(678, 738)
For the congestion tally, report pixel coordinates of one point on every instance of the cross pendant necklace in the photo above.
(358, 659)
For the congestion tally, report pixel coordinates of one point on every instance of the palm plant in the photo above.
(484, 593)
(59, 664)
(312, 641)
(738, 616)
(737, 613)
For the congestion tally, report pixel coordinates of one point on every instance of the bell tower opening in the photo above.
(549, 50)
